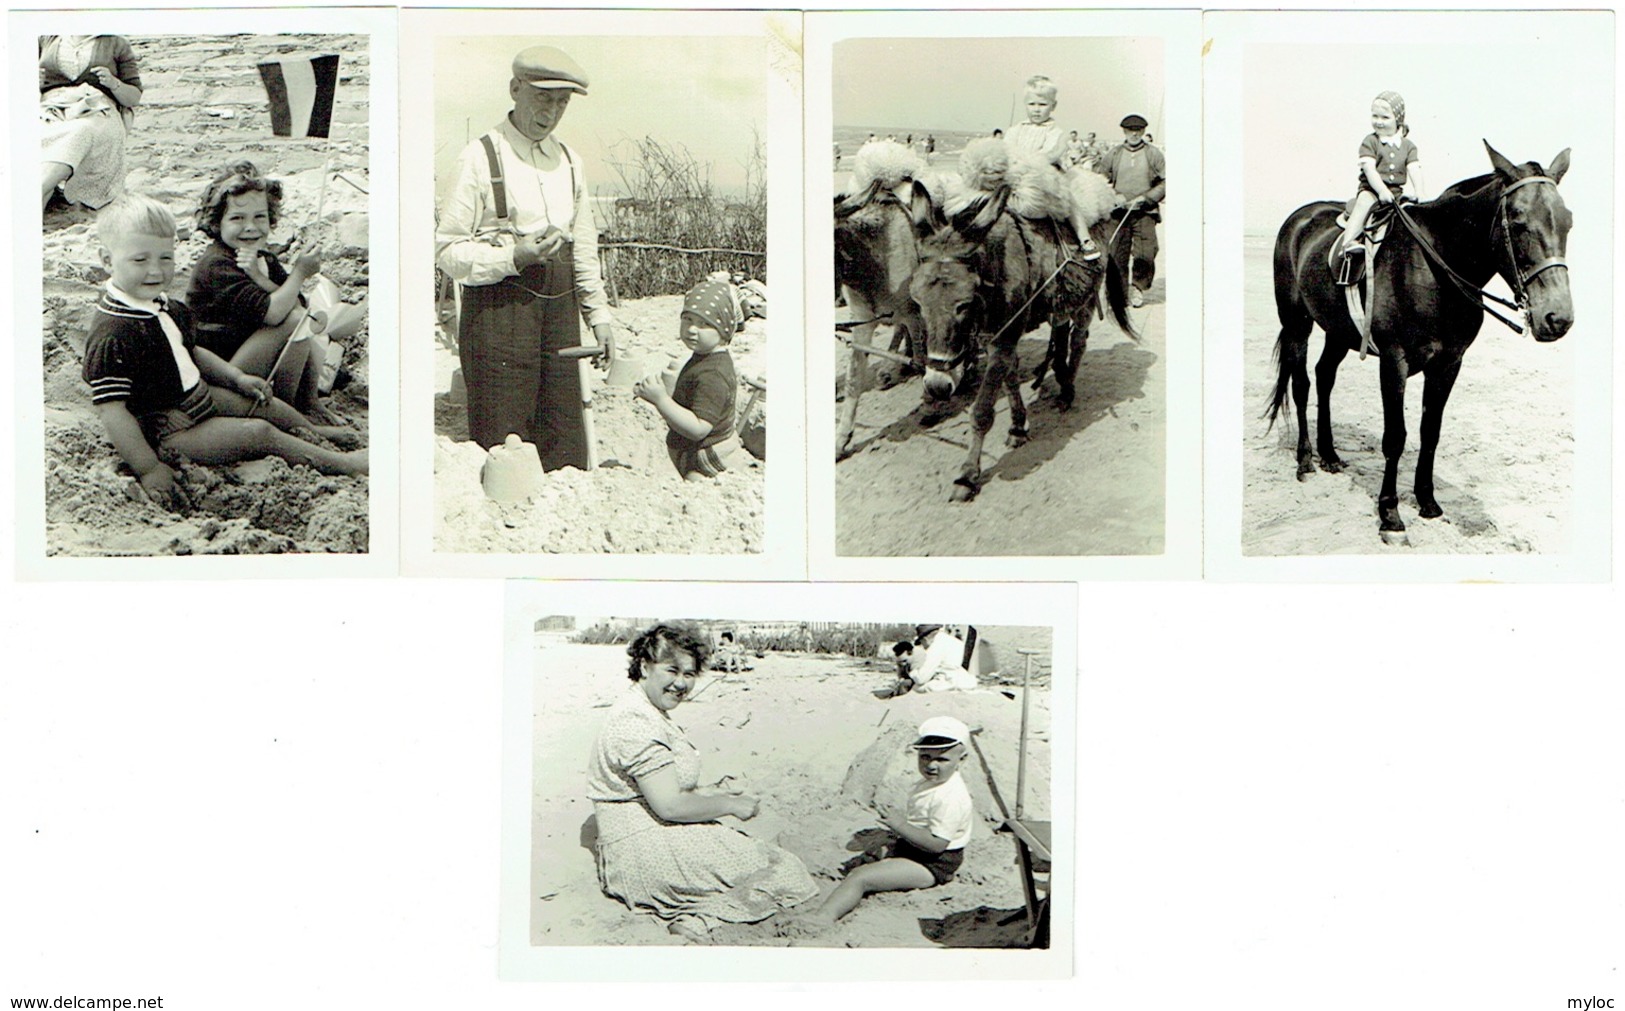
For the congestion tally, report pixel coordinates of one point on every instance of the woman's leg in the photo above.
(55, 174)
(220, 440)
(1363, 202)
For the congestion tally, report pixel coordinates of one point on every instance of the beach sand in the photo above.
(203, 106)
(806, 734)
(635, 502)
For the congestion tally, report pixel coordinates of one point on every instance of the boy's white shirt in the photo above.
(190, 376)
(944, 809)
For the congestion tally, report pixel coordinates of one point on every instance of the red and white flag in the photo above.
(301, 90)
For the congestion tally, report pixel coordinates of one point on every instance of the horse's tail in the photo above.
(1283, 381)
(1116, 283)
(1292, 346)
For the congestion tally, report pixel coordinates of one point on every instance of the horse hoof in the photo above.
(1332, 464)
(1397, 538)
(1017, 437)
(1063, 400)
(963, 491)
(1304, 470)
(1428, 509)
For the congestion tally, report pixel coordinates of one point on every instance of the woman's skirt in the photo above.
(83, 129)
(705, 869)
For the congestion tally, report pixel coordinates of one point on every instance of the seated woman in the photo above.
(660, 847)
(88, 86)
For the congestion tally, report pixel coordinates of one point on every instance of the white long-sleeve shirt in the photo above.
(544, 185)
(940, 670)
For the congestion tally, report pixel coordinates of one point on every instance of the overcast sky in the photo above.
(706, 93)
(1306, 113)
(973, 84)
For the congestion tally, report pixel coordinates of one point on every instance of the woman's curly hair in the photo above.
(661, 641)
(233, 181)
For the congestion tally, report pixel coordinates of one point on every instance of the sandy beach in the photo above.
(805, 733)
(204, 106)
(635, 502)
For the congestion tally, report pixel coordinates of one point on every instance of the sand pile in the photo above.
(203, 106)
(635, 502)
(807, 735)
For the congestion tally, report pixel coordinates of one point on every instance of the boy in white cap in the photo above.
(931, 833)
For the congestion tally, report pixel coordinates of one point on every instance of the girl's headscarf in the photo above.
(1396, 102)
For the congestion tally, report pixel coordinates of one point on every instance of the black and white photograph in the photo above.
(1425, 283)
(1001, 215)
(758, 779)
(602, 300)
(205, 252)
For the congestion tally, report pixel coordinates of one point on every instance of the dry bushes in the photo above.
(665, 226)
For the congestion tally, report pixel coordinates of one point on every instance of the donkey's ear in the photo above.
(1559, 165)
(923, 210)
(1503, 168)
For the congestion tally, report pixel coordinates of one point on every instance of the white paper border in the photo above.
(783, 554)
(1053, 605)
(383, 272)
(1227, 34)
(1181, 242)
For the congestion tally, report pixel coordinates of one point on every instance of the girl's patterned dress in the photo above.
(704, 869)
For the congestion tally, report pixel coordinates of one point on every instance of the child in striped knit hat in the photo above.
(699, 409)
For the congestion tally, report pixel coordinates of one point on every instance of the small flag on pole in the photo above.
(301, 90)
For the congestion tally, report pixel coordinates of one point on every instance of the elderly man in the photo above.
(516, 230)
(1136, 169)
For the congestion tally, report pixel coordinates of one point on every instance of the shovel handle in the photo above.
(593, 351)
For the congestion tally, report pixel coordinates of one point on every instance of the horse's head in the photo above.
(945, 286)
(1534, 229)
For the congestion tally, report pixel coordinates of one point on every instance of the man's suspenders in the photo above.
(499, 192)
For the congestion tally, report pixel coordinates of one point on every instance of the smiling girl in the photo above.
(1388, 161)
(247, 304)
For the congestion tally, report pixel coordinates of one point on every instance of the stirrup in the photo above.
(1350, 265)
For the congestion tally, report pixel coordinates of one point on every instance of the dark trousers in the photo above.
(514, 385)
(1138, 238)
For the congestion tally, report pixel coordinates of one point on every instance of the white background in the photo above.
(286, 794)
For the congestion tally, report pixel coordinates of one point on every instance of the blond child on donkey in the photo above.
(154, 389)
(1040, 135)
(931, 832)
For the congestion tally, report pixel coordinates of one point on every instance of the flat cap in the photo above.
(549, 67)
(1134, 121)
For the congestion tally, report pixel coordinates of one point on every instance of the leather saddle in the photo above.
(1348, 265)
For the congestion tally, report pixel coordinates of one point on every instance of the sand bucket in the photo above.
(624, 372)
(513, 471)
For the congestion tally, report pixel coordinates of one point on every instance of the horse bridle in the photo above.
(1520, 278)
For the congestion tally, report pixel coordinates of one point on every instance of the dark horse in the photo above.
(1426, 304)
(877, 236)
(991, 277)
